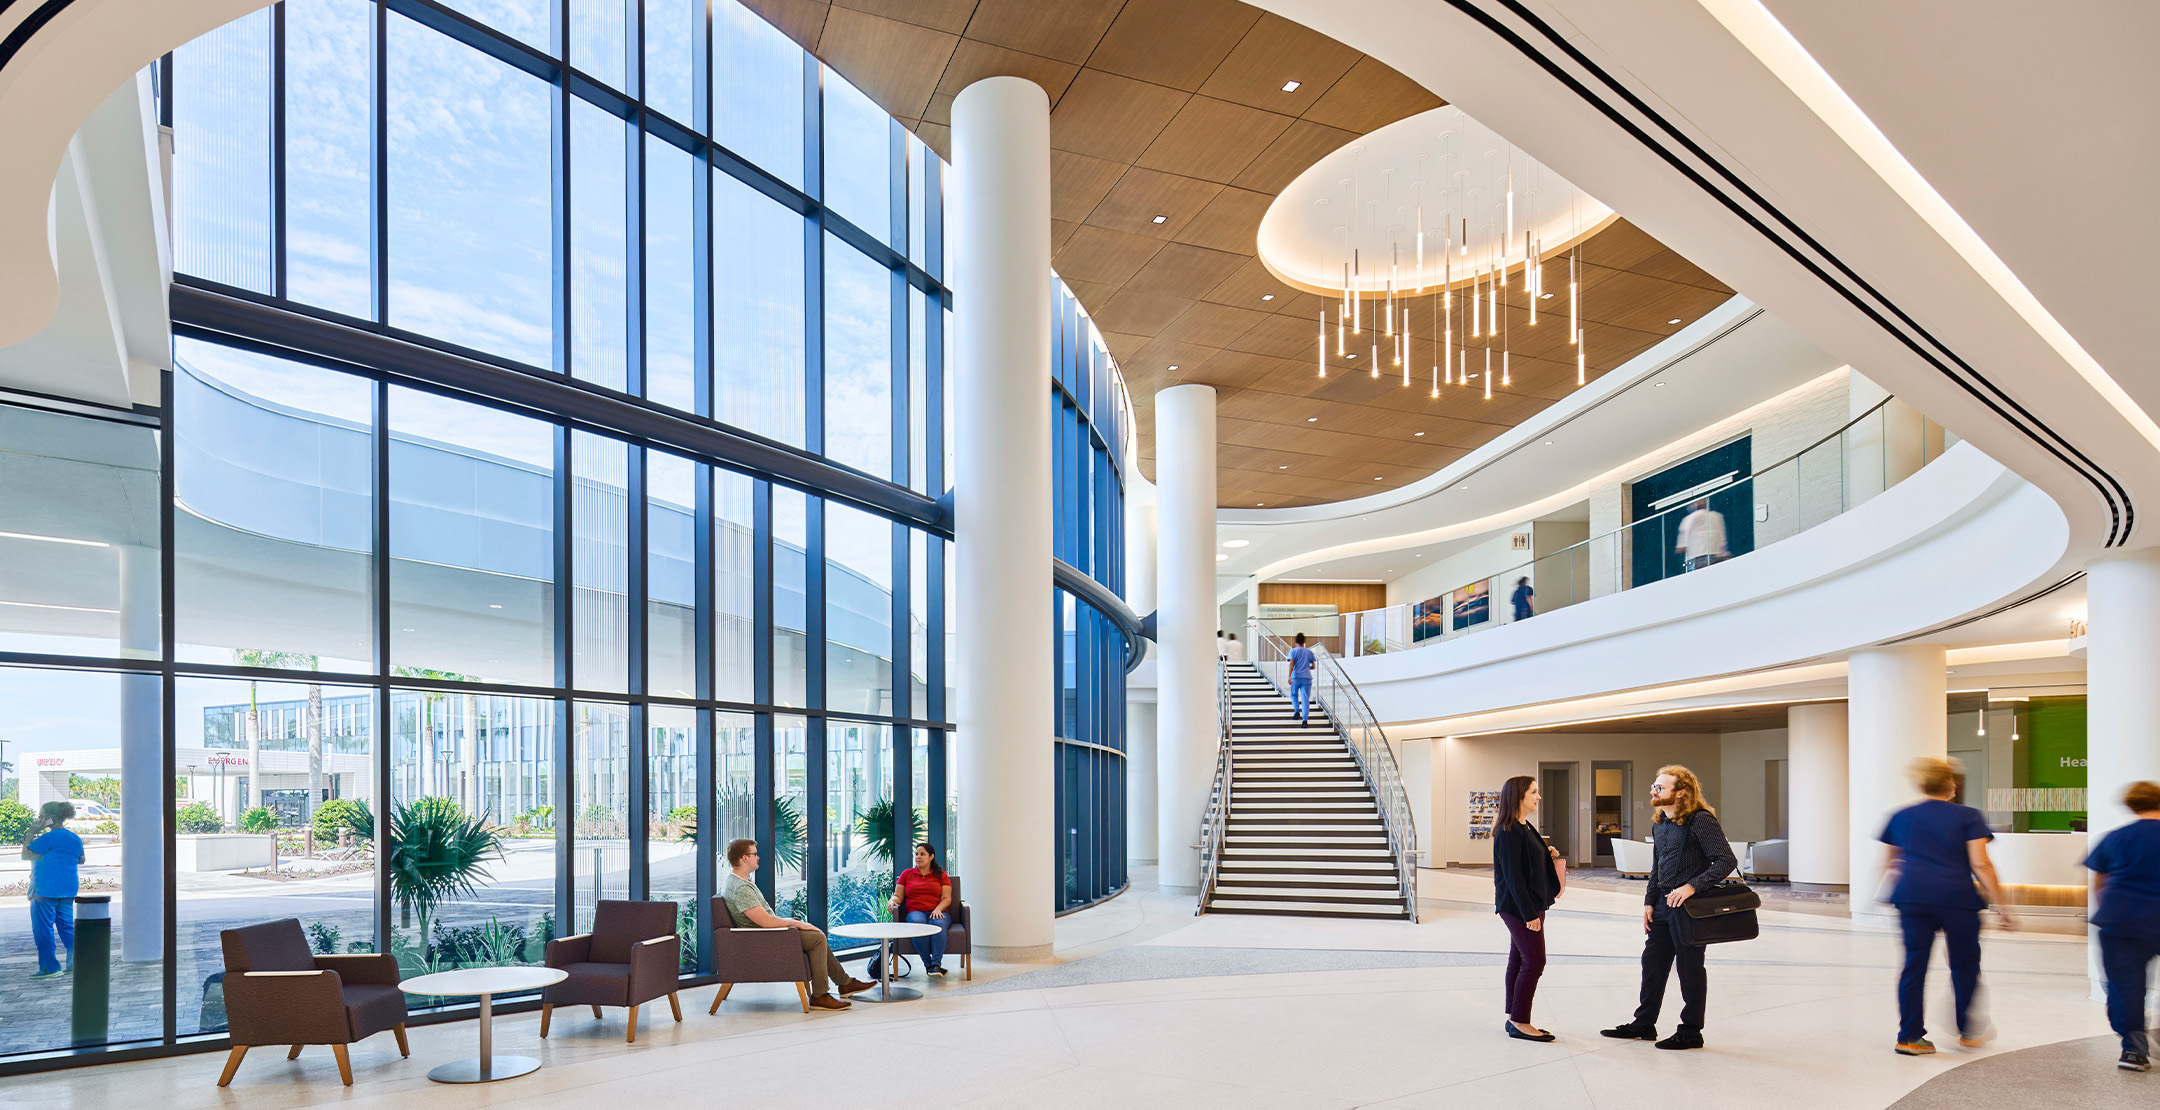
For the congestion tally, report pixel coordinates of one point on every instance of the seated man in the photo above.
(747, 905)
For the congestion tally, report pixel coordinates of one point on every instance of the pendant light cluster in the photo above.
(1465, 293)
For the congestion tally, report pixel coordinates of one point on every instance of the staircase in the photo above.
(1304, 837)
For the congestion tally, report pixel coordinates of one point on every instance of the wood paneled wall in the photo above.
(1346, 597)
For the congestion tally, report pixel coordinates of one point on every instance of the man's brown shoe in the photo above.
(852, 986)
(828, 1002)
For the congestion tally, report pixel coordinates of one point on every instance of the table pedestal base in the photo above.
(472, 1070)
(886, 992)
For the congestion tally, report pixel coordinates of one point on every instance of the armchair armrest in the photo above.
(371, 968)
(564, 951)
(655, 965)
(286, 1007)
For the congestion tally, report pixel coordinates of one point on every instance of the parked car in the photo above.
(87, 810)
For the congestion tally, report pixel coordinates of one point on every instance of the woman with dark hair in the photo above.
(924, 893)
(1524, 886)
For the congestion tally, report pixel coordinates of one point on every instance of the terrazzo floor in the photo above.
(1150, 1006)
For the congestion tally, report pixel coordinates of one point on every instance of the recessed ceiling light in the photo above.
(1544, 296)
(1672, 321)
(1260, 504)
(1548, 443)
(1283, 467)
(1220, 557)
(1291, 86)
(1310, 419)
(1173, 366)
(1159, 219)
(1660, 385)
(494, 606)
(1417, 433)
(1352, 354)
(1236, 543)
(1267, 296)
(1379, 479)
(1465, 485)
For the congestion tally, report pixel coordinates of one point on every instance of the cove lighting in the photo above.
(1291, 86)
(1159, 219)
(51, 539)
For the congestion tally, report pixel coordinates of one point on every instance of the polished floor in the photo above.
(1150, 1006)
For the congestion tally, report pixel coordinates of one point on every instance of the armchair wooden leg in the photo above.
(632, 1038)
(596, 1013)
(403, 1049)
(547, 1012)
(294, 1054)
(720, 996)
(344, 1064)
(967, 966)
(675, 1004)
(803, 989)
(232, 1063)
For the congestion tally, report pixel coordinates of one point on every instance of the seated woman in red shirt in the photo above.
(924, 893)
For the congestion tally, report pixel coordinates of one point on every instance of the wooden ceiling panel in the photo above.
(1102, 255)
(1177, 269)
(1213, 139)
(1078, 183)
(1173, 42)
(1274, 52)
(1141, 195)
(1063, 29)
(949, 16)
(897, 64)
(1371, 96)
(1182, 301)
(1292, 153)
(975, 59)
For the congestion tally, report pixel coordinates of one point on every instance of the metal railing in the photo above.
(1354, 720)
(1215, 824)
(1827, 478)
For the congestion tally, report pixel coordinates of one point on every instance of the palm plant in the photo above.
(876, 828)
(790, 832)
(436, 853)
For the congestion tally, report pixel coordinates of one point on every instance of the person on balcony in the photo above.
(1301, 663)
(2126, 884)
(1937, 848)
(923, 895)
(1524, 599)
(1702, 537)
(1690, 855)
(747, 906)
(1524, 887)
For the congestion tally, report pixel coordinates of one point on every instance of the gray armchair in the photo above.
(631, 957)
(756, 956)
(278, 991)
(1767, 859)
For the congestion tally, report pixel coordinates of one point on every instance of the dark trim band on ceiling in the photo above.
(1797, 244)
(227, 318)
(31, 25)
(2005, 607)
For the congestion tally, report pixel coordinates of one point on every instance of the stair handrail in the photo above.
(1360, 730)
(1214, 825)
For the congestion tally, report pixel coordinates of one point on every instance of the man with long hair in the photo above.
(1690, 855)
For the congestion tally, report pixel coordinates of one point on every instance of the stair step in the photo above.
(1306, 853)
(1381, 897)
(1303, 909)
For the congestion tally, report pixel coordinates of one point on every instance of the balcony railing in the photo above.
(1874, 451)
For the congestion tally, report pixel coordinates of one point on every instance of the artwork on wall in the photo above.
(1484, 813)
(1471, 605)
(1428, 619)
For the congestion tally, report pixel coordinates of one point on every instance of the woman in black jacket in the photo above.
(1524, 886)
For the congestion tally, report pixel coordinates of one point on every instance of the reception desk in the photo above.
(2041, 870)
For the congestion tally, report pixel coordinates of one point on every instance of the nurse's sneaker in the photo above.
(1921, 1047)
(2134, 1061)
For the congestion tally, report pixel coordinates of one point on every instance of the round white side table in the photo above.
(487, 982)
(884, 933)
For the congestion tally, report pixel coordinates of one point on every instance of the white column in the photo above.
(142, 760)
(1141, 815)
(1898, 712)
(1188, 728)
(1004, 695)
(1819, 824)
(2122, 654)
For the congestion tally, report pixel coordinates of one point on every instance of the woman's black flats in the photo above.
(1541, 1038)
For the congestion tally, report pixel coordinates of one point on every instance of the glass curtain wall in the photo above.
(331, 606)
(1088, 420)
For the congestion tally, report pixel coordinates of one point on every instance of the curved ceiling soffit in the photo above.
(1667, 116)
(1177, 110)
(59, 60)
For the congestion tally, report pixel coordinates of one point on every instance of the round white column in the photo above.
(1187, 726)
(1141, 815)
(2122, 702)
(142, 759)
(1004, 695)
(1819, 824)
(1898, 712)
